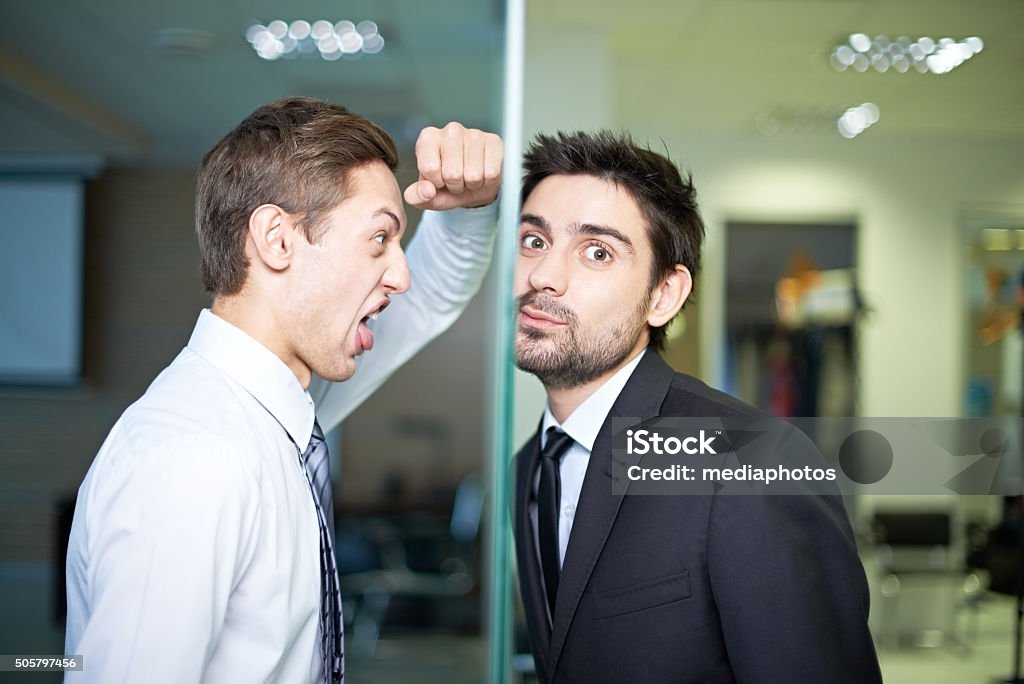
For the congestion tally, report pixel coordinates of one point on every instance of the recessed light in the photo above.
(321, 38)
(924, 54)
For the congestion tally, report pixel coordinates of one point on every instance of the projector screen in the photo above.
(40, 280)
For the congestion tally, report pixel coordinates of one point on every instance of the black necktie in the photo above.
(548, 501)
(316, 460)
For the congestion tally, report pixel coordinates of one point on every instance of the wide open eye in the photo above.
(598, 253)
(532, 241)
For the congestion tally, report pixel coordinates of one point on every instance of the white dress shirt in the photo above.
(195, 551)
(582, 425)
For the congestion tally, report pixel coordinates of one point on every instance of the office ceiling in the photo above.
(92, 78)
(723, 65)
(140, 82)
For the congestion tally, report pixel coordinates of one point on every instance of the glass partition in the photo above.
(502, 660)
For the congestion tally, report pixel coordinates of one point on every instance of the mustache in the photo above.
(547, 305)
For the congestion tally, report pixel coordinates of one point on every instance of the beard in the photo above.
(571, 356)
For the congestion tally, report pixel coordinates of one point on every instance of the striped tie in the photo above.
(316, 461)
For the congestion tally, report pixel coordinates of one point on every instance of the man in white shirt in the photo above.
(200, 540)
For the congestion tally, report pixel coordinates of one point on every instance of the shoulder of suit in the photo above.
(696, 398)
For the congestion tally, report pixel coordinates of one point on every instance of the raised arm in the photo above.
(459, 178)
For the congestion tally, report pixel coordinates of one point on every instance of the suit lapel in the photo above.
(530, 582)
(642, 398)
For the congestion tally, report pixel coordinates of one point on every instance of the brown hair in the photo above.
(667, 200)
(296, 153)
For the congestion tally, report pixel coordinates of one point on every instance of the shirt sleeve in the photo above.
(171, 532)
(448, 258)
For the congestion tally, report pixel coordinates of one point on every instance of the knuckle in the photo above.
(428, 138)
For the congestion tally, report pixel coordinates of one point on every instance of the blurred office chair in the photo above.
(367, 593)
(1002, 555)
(918, 547)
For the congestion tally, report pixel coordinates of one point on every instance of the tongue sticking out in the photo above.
(365, 336)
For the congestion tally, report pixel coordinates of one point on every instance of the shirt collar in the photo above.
(585, 422)
(258, 370)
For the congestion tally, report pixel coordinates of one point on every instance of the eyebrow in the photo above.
(536, 222)
(591, 229)
(391, 214)
(597, 230)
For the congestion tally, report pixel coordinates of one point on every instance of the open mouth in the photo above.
(376, 311)
(364, 335)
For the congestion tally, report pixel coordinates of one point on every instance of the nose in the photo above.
(396, 276)
(547, 273)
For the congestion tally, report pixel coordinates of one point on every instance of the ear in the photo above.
(669, 296)
(272, 234)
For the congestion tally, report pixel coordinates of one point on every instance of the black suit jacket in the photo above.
(694, 588)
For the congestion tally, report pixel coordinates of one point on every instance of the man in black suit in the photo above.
(708, 588)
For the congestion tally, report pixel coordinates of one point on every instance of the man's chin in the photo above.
(529, 351)
(539, 362)
(337, 374)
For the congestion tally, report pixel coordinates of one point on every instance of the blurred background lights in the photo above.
(330, 41)
(926, 55)
(856, 120)
(814, 120)
(860, 42)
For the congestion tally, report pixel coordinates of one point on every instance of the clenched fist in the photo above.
(458, 167)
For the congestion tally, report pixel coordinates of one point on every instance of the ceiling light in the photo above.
(277, 29)
(300, 38)
(850, 121)
(856, 120)
(924, 54)
(860, 42)
(366, 28)
(300, 30)
(321, 29)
